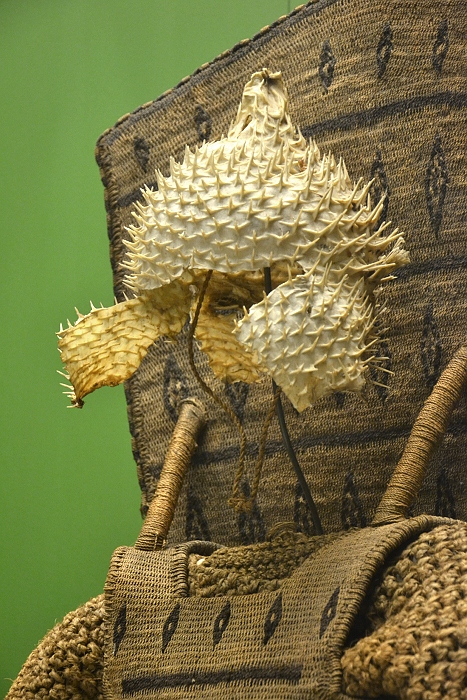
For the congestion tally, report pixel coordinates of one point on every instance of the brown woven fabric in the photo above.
(382, 83)
(415, 643)
(245, 570)
(68, 663)
(283, 644)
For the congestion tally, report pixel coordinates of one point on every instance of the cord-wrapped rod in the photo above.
(426, 435)
(182, 445)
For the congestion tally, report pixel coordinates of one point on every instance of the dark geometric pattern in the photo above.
(301, 512)
(375, 115)
(327, 62)
(220, 624)
(441, 46)
(352, 514)
(329, 612)
(203, 123)
(380, 187)
(119, 628)
(436, 184)
(238, 394)
(384, 49)
(431, 350)
(175, 387)
(285, 673)
(141, 150)
(273, 618)
(197, 527)
(339, 398)
(170, 626)
(250, 524)
(445, 503)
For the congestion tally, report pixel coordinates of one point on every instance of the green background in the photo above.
(69, 70)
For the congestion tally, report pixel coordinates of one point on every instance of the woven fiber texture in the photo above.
(383, 84)
(68, 663)
(285, 644)
(415, 643)
(412, 640)
(244, 570)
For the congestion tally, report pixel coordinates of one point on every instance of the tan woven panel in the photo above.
(284, 644)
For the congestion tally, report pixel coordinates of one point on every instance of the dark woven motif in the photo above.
(301, 512)
(441, 46)
(445, 503)
(339, 398)
(220, 623)
(329, 611)
(175, 387)
(436, 184)
(352, 509)
(170, 626)
(141, 152)
(197, 527)
(203, 123)
(327, 63)
(384, 49)
(273, 619)
(238, 394)
(250, 523)
(119, 629)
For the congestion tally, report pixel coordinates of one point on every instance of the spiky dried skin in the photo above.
(310, 335)
(260, 195)
(106, 347)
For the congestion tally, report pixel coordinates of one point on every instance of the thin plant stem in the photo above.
(262, 447)
(318, 529)
(206, 388)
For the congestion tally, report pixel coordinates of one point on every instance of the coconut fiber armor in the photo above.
(283, 644)
(410, 630)
(384, 84)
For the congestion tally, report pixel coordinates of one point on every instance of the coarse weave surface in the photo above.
(384, 84)
(414, 634)
(285, 644)
(410, 642)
